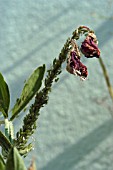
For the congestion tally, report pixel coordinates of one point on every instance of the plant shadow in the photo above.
(74, 154)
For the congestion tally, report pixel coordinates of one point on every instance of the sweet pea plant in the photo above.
(14, 147)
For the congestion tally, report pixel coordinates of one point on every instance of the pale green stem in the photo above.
(7, 128)
(110, 89)
(9, 131)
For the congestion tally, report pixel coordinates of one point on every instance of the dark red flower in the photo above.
(89, 46)
(74, 66)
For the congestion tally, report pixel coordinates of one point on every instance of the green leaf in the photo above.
(4, 96)
(4, 142)
(15, 161)
(2, 163)
(31, 87)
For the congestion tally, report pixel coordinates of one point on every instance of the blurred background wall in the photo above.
(75, 129)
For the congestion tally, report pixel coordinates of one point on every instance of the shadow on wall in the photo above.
(104, 33)
(76, 153)
(35, 50)
(41, 28)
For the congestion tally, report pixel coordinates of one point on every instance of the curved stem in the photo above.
(41, 98)
(110, 89)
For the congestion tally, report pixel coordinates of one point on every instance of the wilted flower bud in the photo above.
(74, 66)
(89, 46)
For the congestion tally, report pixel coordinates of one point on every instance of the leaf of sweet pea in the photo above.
(4, 143)
(31, 87)
(4, 97)
(15, 161)
(2, 163)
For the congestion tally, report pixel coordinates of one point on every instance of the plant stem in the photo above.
(41, 99)
(110, 89)
(29, 122)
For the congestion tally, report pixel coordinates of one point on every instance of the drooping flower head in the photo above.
(74, 65)
(89, 46)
